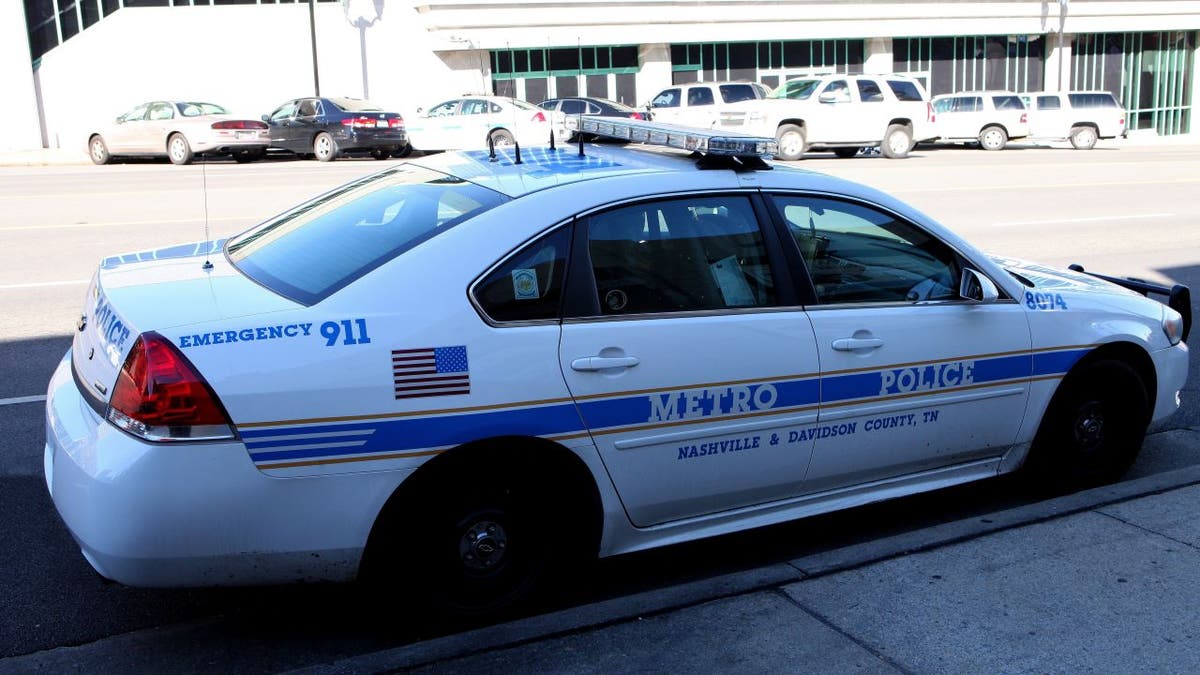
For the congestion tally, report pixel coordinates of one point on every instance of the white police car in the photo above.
(466, 371)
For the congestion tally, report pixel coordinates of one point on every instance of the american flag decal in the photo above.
(433, 371)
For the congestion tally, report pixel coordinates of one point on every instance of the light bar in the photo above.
(703, 141)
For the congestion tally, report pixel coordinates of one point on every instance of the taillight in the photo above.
(359, 122)
(929, 113)
(240, 124)
(636, 116)
(538, 117)
(396, 123)
(159, 396)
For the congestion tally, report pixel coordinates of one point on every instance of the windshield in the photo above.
(323, 245)
(795, 89)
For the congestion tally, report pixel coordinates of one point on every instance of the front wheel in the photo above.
(897, 142)
(1083, 138)
(325, 148)
(179, 150)
(790, 138)
(98, 151)
(1092, 431)
(993, 138)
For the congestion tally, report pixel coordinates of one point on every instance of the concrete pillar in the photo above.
(654, 73)
(878, 59)
(1194, 113)
(22, 124)
(1058, 61)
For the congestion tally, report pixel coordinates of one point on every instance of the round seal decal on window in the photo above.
(616, 300)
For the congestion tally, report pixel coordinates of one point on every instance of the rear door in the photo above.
(690, 363)
(913, 378)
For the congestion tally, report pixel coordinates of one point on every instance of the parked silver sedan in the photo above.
(179, 130)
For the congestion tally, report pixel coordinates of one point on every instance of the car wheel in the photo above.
(1092, 431)
(98, 151)
(501, 138)
(325, 148)
(1083, 138)
(381, 153)
(790, 138)
(248, 156)
(179, 151)
(993, 138)
(845, 153)
(897, 142)
(404, 151)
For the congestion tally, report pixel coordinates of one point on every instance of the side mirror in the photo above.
(266, 118)
(420, 110)
(977, 288)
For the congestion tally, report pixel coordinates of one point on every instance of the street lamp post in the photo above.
(312, 27)
(362, 14)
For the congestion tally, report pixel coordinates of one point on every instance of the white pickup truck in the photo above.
(842, 113)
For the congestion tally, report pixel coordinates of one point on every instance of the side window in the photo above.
(474, 107)
(869, 91)
(573, 106)
(284, 112)
(838, 90)
(1007, 103)
(735, 93)
(593, 109)
(1048, 103)
(668, 98)
(443, 109)
(162, 111)
(857, 254)
(700, 96)
(136, 114)
(942, 105)
(528, 285)
(308, 108)
(905, 91)
(694, 253)
(969, 104)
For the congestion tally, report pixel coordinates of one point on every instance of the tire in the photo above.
(179, 151)
(404, 151)
(1083, 138)
(98, 151)
(1092, 431)
(897, 142)
(791, 139)
(845, 153)
(501, 138)
(993, 138)
(381, 153)
(325, 149)
(482, 542)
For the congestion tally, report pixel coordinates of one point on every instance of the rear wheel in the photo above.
(897, 142)
(98, 150)
(1083, 138)
(179, 151)
(993, 138)
(845, 153)
(791, 140)
(1092, 431)
(325, 148)
(501, 139)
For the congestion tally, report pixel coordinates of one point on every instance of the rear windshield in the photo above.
(320, 247)
(355, 105)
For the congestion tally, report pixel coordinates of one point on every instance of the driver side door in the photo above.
(916, 377)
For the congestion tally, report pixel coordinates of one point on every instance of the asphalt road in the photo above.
(1121, 211)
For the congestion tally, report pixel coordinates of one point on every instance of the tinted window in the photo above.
(1007, 103)
(669, 98)
(1048, 103)
(904, 90)
(527, 286)
(700, 96)
(732, 93)
(967, 104)
(443, 109)
(1093, 101)
(473, 106)
(857, 254)
(319, 247)
(308, 108)
(696, 253)
(797, 89)
(838, 90)
(285, 111)
(869, 91)
(573, 106)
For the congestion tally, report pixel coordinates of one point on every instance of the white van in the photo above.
(1081, 117)
(989, 118)
(700, 104)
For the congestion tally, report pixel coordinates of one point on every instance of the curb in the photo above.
(627, 608)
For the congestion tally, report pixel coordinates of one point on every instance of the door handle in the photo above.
(589, 363)
(852, 344)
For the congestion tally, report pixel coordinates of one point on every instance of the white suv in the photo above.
(842, 113)
(1081, 117)
(700, 104)
(989, 118)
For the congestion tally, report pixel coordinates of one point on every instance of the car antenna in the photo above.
(552, 140)
(578, 133)
(207, 238)
(517, 149)
(491, 149)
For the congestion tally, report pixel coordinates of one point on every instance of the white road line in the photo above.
(1096, 219)
(1040, 186)
(40, 284)
(22, 399)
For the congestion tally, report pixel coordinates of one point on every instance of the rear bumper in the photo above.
(197, 514)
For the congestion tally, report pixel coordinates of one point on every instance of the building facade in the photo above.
(90, 60)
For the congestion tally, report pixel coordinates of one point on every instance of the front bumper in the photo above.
(1171, 364)
(197, 514)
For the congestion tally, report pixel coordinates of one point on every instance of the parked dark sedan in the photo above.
(327, 128)
(585, 105)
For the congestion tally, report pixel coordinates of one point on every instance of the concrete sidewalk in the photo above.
(1106, 580)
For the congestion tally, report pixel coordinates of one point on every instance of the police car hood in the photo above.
(154, 291)
(1050, 279)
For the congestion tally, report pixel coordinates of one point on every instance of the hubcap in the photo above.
(1089, 427)
(98, 150)
(790, 143)
(177, 149)
(898, 143)
(483, 546)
